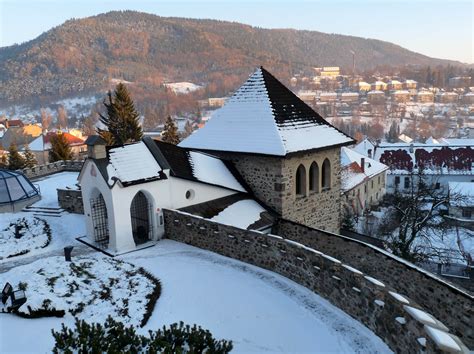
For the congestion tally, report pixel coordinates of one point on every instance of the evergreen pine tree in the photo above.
(15, 160)
(30, 158)
(121, 119)
(188, 130)
(60, 149)
(348, 221)
(170, 134)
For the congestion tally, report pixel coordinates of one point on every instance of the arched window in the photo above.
(301, 180)
(326, 174)
(314, 177)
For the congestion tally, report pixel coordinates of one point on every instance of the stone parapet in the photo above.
(396, 319)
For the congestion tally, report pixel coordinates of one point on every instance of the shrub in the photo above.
(115, 337)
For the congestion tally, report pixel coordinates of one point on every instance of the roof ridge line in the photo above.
(275, 126)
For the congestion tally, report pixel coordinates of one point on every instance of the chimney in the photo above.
(362, 164)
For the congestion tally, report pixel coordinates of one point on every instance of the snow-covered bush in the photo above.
(115, 337)
(90, 287)
(23, 236)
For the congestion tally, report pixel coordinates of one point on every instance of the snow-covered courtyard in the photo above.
(258, 310)
(64, 229)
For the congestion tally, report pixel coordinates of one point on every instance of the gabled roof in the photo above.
(94, 140)
(352, 172)
(193, 165)
(145, 161)
(236, 210)
(71, 139)
(265, 117)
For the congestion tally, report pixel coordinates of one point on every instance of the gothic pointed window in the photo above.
(326, 175)
(301, 180)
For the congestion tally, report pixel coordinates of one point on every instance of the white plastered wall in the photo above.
(169, 193)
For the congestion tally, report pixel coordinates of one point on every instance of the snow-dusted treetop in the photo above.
(265, 117)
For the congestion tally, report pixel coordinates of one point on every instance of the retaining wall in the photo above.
(50, 168)
(71, 200)
(396, 319)
(450, 304)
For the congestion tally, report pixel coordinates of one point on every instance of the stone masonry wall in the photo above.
(272, 180)
(263, 174)
(319, 208)
(50, 168)
(396, 319)
(71, 200)
(451, 305)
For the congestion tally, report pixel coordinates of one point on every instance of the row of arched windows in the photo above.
(314, 180)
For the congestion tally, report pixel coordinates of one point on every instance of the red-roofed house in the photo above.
(362, 180)
(42, 145)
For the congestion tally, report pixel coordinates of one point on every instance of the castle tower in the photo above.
(287, 153)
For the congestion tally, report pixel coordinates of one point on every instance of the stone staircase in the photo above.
(44, 211)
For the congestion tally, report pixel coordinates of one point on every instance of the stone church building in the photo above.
(286, 152)
(264, 155)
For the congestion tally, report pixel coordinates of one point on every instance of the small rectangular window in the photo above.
(466, 213)
(397, 180)
(437, 186)
(161, 220)
(407, 182)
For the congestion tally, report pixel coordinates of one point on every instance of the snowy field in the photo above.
(258, 310)
(64, 229)
(49, 184)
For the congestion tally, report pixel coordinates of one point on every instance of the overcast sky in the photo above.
(438, 28)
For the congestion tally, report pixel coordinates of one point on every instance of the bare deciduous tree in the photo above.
(415, 218)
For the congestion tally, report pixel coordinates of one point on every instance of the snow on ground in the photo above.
(258, 310)
(90, 287)
(181, 88)
(49, 184)
(32, 234)
(78, 103)
(64, 229)
(241, 214)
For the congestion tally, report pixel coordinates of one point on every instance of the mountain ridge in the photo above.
(83, 55)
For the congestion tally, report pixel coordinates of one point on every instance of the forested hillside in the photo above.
(82, 56)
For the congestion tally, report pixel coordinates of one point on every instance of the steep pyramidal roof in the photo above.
(265, 117)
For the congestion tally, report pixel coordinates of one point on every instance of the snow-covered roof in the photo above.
(132, 162)
(371, 167)
(352, 172)
(146, 160)
(211, 170)
(405, 138)
(425, 92)
(37, 144)
(350, 94)
(264, 117)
